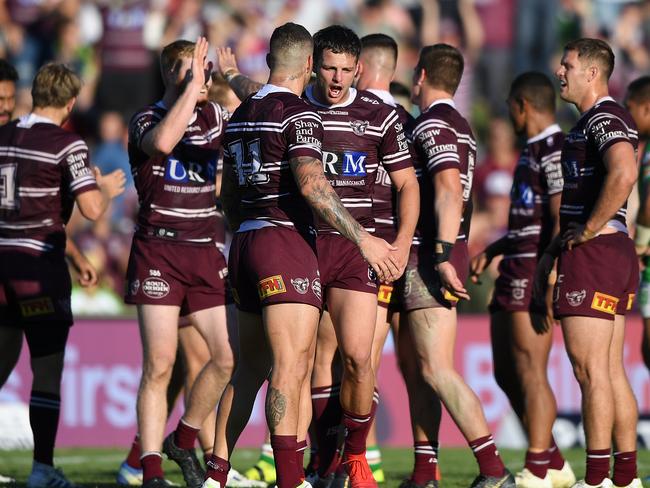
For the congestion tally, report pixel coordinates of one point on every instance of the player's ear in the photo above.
(593, 72)
(269, 60)
(310, 64)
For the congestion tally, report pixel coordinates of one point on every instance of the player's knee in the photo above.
(158, 369)
(358, 365)
(224, 364)
(590, 372)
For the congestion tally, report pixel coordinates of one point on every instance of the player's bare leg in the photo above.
(626, 413)
(645, 342)
(353, 315)
(588, 341)
(11, 342)
(159, 336)
(434, 336)
(305, 410)
(424, 407)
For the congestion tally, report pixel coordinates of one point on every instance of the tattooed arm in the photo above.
(240, 84)
(320, 196)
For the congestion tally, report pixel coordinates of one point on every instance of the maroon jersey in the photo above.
(442, 139)
(265, 132)
(42, 169)
(583, 169)
(538, 175)
(122, 43)
(360, 134)
(177, 191)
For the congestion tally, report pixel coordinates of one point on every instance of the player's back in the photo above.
(265, 132)
(42, 168)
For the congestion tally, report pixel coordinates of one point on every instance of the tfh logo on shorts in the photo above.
(630, 301)
(271, 286)
(36, 306)
(575, 298)
(301, 285)
(604, 303)
(385, 293)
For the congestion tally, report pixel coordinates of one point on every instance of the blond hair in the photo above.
(173, 53)
(54, 86)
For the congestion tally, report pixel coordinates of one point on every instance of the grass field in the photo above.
(96, 467)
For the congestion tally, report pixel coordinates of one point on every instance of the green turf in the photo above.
(96, 467)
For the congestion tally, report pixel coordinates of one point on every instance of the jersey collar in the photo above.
(31, 119)
(385, 96)
(269, 88)
(309, 93)
(550, 130)
(447, 101)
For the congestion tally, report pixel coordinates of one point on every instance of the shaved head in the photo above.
(379, 51)
(290, 47)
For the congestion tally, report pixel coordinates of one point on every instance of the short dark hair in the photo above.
(639, 90)
(286, 38)
(7, 71)
(536, 88)
(594, 50)
(54, 86)
(443, 65)
(380, 41)
(338, 39)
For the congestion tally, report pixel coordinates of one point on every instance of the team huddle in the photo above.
(349, 217)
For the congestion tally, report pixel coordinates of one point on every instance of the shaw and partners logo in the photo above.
(346, 163)
(271, 286)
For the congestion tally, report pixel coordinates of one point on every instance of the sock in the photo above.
(373, 456)
(266, 454)
(624, 468)
(44, 409)
(327, 418)
(286, 467)
(597, 466)
(151, 466)
(537, 463)
(357, 427)
(426, 461)
(185, 435)
(300, 457)
(487, 456)
(207, 455)
(218, 469)
(557, 460)
(133, 458)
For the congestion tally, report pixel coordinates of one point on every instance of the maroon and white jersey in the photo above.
(442, 139)
(122, 44)
(267, 130)
(177, 191)
(583, 169)
(360, 133)
(42, 169)
(538, 175)
(384, 197)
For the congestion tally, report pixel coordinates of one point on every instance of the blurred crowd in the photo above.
(114, 46)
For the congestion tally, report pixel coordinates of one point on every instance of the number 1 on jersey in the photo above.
(249, 166)
(8, 187)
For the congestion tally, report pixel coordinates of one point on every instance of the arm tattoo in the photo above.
(276, 407)
(318, 192)
(243, 86)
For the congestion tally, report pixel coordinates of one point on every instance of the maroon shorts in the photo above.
(342, 265)
(597, 279)
(273, 265)
(422, 286)
(169, 273)
(513, 289)
(34, 289)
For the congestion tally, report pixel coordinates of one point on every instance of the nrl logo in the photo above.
(575, 298)
(300, 284)
(359, 126)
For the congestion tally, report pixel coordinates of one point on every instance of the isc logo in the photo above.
(347, 163)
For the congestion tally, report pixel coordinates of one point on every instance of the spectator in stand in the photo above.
(535, 34)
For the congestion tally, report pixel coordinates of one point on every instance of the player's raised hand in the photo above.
(478, 265)
(450, 281)
(112, 184)
(379, 254)
(197, 73)
(226, 61)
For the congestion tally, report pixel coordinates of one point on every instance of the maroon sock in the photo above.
(357, 427)
(133, 458)
(624, 468)
(284, 454)
(597, 466)
(151, 466)
(537, 463)
(206, 457)
(327, 418)
(487, 456)
(185, 435)
(300, 457)
(426, 461)
(556, 460)
(218, 469)
(44, 409)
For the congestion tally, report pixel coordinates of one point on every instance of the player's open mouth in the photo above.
(562, 84)
(335, 91)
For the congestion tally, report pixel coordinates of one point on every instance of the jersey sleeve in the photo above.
(606, 129)
(551, 166)
(140, 125)
(437, 144)
(394, 152)
(304, 134)
(77, 171)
